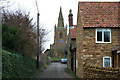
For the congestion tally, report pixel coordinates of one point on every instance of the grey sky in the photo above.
(49, 12)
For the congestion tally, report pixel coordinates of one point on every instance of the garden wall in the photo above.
(100, 72)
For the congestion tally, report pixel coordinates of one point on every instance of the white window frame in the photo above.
(102, 36)
(110, 61)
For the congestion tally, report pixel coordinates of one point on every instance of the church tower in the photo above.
(60, 34)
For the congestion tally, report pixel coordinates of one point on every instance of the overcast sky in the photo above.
(49, 12)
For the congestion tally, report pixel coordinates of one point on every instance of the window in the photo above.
(106, 61)
(103, 35)
(61, 36)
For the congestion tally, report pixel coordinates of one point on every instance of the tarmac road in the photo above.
(54, 70)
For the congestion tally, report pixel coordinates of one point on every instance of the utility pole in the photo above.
(38, 35)
(1, 43)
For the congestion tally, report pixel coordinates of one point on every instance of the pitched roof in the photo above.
(73, 32)
(100, 14)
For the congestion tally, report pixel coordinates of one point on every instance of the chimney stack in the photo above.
(70, 18)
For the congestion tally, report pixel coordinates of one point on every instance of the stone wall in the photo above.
(79, 45)
(100, 72)
(119, 34)
(88, 51)
(68, 60)
(68, 55)
(74, 62)
(93, 52)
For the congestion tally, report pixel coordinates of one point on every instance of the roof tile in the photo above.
(100, 14)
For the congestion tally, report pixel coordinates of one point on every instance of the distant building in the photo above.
(60, 37)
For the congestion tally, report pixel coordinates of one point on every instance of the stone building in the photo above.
(60, 37)
(72, 43)
(98, 35)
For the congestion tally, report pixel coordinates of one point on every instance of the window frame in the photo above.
(102, 36)
(110, 61)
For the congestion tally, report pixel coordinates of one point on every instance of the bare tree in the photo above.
(44, 38)
(24, 23)
(5, 4)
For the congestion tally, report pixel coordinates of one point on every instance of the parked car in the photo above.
(64, 60)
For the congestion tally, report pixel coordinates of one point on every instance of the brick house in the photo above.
(98, 35)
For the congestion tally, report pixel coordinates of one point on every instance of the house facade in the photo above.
(98, 35)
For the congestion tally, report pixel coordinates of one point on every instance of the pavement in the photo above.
(54, 70)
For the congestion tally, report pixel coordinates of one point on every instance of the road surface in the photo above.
(54, 70)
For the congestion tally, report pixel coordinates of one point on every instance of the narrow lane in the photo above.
(54, 70)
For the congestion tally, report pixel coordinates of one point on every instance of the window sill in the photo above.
(102, 42)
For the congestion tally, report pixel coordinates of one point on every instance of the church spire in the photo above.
(60, 13)
(60, 19)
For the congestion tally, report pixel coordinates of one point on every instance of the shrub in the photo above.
(11, 38)
(17, 66)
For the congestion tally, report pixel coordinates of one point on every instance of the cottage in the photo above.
(98, 35)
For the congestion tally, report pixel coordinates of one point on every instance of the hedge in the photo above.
(17, 66)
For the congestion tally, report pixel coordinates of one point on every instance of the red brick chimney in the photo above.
(70, 18)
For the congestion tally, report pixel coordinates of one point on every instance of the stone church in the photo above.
(60, 38)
